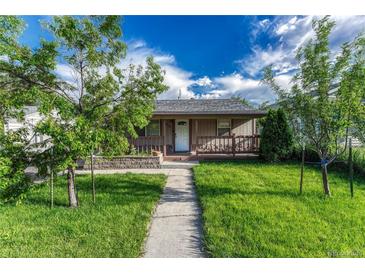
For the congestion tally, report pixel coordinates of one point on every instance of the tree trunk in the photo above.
(326, 186)
(72, 197)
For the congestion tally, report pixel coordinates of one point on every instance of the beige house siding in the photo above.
(243, 126)
(203, 127)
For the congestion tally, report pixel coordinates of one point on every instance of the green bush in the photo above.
(276, 137)
(13, 182)
(310, 155)
(5, 171)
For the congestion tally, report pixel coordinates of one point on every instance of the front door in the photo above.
(182, 135)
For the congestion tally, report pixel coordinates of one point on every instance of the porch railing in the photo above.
(232, 144)
(147, 144)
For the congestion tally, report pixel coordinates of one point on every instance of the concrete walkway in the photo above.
(176, 227)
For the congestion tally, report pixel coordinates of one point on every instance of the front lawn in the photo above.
(115, 226)
(253, 209)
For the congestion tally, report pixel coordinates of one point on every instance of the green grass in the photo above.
(115, 226)
(253, 209)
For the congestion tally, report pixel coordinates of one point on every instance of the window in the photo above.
(153, 128)
(223, 127)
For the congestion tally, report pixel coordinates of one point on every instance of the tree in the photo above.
(99, 104)
(13, 97)
(276, 137)
(326, 93)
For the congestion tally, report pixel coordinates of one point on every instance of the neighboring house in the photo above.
(202, 126)
(186, 126)
(31, 118)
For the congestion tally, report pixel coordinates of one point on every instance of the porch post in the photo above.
(190, 135)
(234, 144)
(164, 136)
(253, 139)
(196, 136)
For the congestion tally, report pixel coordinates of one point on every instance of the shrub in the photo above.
(310, 155)
(13, 182)
(276, 137)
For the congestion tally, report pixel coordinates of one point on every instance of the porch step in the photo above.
(180, 157)
(178, 164)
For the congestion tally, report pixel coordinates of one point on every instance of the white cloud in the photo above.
(289, 26)
(292, 32)
(179, 82)
(236, 85)
(176, 78)
(264, 23)
(204, 82)
(261, 58)
(65, 72)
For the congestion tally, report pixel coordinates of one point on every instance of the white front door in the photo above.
(182, 135)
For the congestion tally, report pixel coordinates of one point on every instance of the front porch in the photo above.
(199, 138)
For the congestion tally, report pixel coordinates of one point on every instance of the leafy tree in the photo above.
(13, 97)
(276, 137)
(326, 93)
(13, 161)
(100, 104)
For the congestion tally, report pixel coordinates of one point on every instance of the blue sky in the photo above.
(217, 56)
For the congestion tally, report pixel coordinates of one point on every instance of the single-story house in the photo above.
(201, 126)
(206, 126)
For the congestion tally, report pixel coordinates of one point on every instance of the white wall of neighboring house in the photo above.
(31, 118)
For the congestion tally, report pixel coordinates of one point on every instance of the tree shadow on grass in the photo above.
(116, 191)
(42, 201)
(218, 191)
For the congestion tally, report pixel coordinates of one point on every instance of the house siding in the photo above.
(203, 127)
(30, 121)
(243, 126)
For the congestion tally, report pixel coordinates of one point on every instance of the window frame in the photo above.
(230, 126)
(159, 128)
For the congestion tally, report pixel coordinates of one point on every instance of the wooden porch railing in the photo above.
(227, 144)
(147, 144)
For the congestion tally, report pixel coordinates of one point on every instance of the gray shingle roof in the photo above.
(204, 106)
